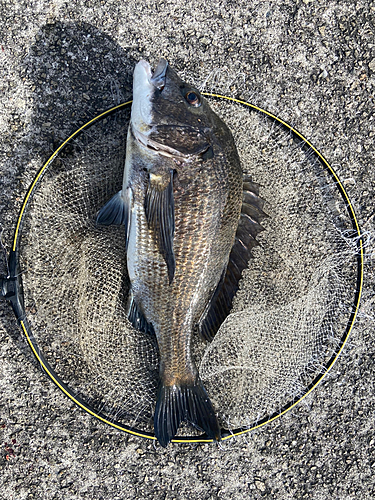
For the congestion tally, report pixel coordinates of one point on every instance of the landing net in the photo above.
(291, 317)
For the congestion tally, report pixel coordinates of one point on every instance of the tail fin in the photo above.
(177, 403)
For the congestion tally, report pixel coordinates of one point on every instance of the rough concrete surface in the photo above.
(310, 62)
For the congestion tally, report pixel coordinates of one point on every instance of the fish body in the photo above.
(181, 202)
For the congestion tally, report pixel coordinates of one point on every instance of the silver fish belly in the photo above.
(184, 204)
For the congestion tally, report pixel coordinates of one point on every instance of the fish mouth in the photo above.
(143, 90)
(145, 66)
(157, 77)
(145, 82)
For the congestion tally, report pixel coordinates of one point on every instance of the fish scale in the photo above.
(168, 305)
(191, 257)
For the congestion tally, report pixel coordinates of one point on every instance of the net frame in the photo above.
(12, 288)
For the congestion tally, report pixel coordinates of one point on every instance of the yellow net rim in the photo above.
(21, 316)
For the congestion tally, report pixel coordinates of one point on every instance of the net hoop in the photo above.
(14, 282)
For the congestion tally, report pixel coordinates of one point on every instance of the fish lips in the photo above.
(159, 76)
(174, 140)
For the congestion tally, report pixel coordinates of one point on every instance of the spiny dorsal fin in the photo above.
(159, 209)
(248, 228)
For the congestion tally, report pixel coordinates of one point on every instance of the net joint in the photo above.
(8, 288)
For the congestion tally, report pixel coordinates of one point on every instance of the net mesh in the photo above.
(289, 314)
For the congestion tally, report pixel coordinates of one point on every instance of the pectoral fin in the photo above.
(116, 211)
(248, 228)
(159, 209)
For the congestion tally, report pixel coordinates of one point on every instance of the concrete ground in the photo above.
(311, 63)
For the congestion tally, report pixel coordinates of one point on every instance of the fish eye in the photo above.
(193, 99)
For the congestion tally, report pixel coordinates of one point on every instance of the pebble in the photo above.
(260, 485)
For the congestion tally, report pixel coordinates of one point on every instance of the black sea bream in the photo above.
(191, 221)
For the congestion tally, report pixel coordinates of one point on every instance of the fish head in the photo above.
(169, 117)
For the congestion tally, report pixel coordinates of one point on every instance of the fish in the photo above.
(191, 220)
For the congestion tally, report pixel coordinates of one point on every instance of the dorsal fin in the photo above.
(248, 228)
(159, 209)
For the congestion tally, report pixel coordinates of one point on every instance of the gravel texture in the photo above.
(311, 63)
